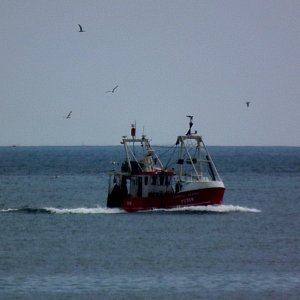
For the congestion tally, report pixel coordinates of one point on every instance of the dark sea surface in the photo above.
(59, 241)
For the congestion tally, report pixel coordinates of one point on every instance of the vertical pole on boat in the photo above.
(199, 166)
(181, 156)
(127, 154)
(190, 158)
(212, 166)
(133, 133)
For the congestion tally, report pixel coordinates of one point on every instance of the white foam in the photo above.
(84, 210)
(214, 208)
(104, 210)
(9, 209)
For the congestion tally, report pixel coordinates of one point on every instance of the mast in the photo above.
(191, 140)
(124, 142)
(133, 132)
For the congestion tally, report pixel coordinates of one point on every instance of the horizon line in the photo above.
(114, 145)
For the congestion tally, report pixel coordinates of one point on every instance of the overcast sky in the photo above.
(168, 58)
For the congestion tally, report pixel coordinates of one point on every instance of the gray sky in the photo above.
(169, 58)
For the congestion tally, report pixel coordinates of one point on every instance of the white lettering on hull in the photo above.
(187, 200)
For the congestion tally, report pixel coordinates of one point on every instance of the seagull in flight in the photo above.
(248, 103)
(69, 115)
(80, 28)
(113, 90)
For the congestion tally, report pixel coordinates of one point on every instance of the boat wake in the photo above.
(53, 210)
(213, 209)
(104, 210)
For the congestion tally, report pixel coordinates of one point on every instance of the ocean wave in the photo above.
(105, 210)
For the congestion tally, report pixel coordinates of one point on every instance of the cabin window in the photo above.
(140, 187)
(154, 180)
(161, 180)
(146, 180)
(167, 182)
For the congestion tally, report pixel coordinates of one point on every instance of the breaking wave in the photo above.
(105, 210)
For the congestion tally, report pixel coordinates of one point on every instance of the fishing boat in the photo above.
(144, 182)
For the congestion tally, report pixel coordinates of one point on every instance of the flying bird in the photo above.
(80, 28)
(248, 103)
(113, 90)
(69, 115)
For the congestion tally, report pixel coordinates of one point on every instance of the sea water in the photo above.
(59, 241)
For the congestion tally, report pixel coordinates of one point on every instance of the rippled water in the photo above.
(59, 241)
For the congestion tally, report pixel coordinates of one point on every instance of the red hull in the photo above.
(210, 196)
